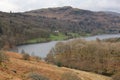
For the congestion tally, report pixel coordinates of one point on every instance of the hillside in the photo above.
(19, 28)
(18, 69)
(87, 21)
(41, 25)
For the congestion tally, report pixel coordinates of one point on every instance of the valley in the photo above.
(60, 43)
(45, 25)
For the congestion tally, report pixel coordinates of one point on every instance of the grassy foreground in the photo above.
(18, 69)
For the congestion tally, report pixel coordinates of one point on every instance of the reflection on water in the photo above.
(42, 49)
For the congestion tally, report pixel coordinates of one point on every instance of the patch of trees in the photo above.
(94, 56)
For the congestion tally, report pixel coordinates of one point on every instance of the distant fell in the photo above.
(65, 13)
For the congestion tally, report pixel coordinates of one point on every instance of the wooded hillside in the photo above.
(18, 28)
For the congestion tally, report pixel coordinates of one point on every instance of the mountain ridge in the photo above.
(58, 12)
(66, 11)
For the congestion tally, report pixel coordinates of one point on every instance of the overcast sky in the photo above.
(26, 5)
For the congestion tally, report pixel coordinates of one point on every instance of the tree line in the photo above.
(94, 56)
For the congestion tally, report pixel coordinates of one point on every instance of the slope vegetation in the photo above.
(17, 69)
(95, 56)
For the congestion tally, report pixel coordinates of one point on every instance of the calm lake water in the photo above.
(42, 49)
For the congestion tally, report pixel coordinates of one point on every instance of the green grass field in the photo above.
(54, 37)
(58, 37)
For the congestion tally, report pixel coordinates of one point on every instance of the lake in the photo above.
(42, 49)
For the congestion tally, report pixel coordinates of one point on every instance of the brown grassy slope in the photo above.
(22, 68)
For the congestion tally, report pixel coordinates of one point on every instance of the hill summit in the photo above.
(64, 13)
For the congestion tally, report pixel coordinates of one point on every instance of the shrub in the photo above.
(36, 76)
(70, 76)
(26, 56)
(37, 58)
(3, 57)
(59, 64)
(116, 76)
